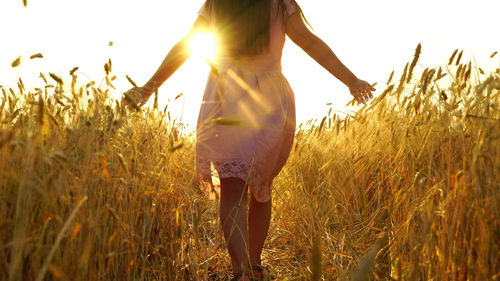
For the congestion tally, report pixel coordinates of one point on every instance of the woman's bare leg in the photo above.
(233, 215)
(259, 217)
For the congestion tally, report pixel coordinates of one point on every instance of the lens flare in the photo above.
(202, 46)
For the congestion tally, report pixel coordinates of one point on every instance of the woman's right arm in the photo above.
(321, 53)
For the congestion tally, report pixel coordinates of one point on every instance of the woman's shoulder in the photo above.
(289, 7)
(206, 9)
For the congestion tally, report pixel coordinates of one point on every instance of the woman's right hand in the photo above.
(136, 97)
(361, 90)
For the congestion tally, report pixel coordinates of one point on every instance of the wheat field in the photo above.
(407, 188)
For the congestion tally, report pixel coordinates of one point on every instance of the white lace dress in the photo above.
(246, 123)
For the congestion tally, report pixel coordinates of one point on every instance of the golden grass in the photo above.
(92, 191)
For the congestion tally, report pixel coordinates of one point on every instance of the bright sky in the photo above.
(371, 37)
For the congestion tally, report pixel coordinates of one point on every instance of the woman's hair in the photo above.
(243, 26)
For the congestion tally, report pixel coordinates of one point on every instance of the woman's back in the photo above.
(270, 56)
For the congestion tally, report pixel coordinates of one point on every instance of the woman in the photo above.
(246, 123)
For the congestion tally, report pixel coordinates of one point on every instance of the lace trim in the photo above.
(231, 168)
(227, 168)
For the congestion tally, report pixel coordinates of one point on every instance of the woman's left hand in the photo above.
(361, 90)
(136, 97)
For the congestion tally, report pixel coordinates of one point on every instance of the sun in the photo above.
(202, 46)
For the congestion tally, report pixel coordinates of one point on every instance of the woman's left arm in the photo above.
(175, 58)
